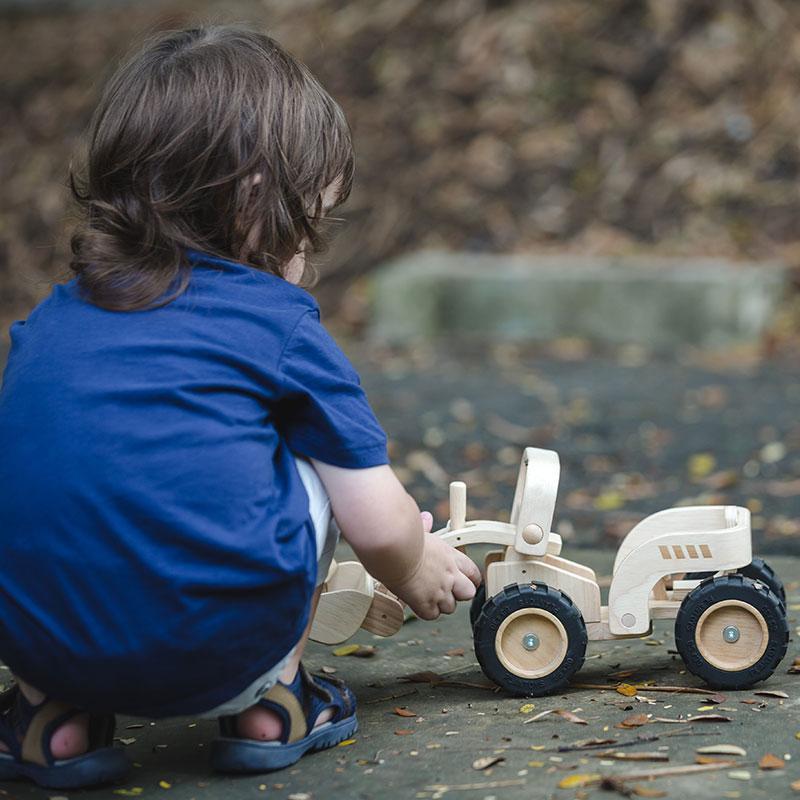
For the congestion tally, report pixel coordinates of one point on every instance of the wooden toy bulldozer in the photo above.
(536, 611)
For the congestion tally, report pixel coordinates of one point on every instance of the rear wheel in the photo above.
(530, 640)
(732, 632)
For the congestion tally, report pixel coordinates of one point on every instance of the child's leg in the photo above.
(257, 722)
(71, 739)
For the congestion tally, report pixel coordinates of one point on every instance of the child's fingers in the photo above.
(463, 587)
(427, 521)
(469, 568)
(447, 605)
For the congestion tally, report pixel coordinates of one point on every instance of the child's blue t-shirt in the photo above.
(156, 554)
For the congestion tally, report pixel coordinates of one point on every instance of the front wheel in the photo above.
(477, 604)
(530, 640)
(732, 632)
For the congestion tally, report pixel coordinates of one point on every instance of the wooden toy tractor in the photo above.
(536, 611)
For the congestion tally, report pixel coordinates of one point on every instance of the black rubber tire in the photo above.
(757, 570)
(477, 604)
(513, 598)
(732, 587)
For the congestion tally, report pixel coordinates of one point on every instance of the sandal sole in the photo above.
(102, 766)
(249, 756)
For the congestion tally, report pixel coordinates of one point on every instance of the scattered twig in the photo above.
(466, 787)
(394, 696)
(671, 689)
(631, 756)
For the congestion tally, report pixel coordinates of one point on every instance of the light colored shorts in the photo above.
(327, 535)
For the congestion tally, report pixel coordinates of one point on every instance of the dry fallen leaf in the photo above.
(570, 716)
(486, 762)
(722, 750)
(627, 689)
(579, 780)
(770, 761)
(795, 786)
(634, 721)
(404, 712)
(456, 651)
(346, 650)
(772, 693)
(712, 760)
(403, 732)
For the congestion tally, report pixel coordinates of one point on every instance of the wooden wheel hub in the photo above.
(531, 643)
(731, 635)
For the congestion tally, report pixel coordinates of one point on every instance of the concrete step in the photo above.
(658, 303)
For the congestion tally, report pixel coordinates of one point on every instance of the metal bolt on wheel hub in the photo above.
(731, 634)
(530, 641)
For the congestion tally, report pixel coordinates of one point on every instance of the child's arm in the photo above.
(382, 523)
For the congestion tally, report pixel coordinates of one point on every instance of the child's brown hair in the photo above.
(213, 139)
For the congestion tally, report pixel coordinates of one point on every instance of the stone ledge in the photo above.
(658, 303)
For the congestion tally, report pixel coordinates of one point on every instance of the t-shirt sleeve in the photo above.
(323, 413)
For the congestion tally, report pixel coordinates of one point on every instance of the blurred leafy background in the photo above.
(495, 125)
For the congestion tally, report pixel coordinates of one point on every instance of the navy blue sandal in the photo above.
(26, 730)
(298, 705)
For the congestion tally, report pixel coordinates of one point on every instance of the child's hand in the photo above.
(443, 576)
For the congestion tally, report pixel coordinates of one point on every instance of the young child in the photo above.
(177, 428)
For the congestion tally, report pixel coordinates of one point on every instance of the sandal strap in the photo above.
(50, 715)
(28, 729)
(299, 704)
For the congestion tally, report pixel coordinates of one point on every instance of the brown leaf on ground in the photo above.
(634, 721)
(404, 712)
(627, 689)
(570, 716)
(403, 732)
(456, 651)
(770, 761)
(772, 693)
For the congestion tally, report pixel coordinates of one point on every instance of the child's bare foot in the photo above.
(265, 725)
(69, 740)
